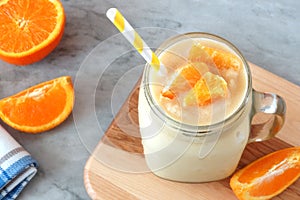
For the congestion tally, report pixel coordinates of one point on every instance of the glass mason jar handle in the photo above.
(272, 105)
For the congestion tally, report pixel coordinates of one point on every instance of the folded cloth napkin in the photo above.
(17, 167)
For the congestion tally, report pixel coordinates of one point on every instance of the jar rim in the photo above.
(189, 129)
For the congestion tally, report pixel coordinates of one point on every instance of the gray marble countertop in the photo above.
(266, 32)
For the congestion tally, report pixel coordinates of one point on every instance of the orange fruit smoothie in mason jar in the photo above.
(194, 120)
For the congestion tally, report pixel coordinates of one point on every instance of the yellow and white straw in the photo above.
(134, 38)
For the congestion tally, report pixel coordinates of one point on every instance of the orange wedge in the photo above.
(222, 59)
(29, 29)
(184, 79)
(39, 108)
(198, 54)
(267, 176)
(208, 89)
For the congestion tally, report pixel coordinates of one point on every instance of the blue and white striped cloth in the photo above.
(17, 167)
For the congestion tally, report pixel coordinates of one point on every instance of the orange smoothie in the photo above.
(194, 121)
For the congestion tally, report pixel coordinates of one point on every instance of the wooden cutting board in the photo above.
(108, 172)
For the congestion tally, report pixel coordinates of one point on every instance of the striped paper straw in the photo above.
(134, 38)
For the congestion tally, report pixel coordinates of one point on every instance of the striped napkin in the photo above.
(17, 167)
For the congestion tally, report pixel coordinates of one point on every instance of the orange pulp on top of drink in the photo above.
(209, 88)
(184, 79)
(190, 77)
(222, 59)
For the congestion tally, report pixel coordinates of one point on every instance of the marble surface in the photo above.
(104, 68)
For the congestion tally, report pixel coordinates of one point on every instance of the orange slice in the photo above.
(198, 54)
(208, 89)
(29, 29)
(222, 59)
(184, 79)
(39, 108)
(267, 176)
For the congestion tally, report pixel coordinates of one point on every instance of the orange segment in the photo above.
(184, 79)
(192, 73)
(209, 88)
(29, 29)
(39, 108)
(267, 176)
(197, 54)
(223, 60)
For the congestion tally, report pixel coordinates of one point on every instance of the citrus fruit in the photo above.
(184, 79)
(29, 29)
(39, 108)
(267, 176)
(214, 57)
(222, 59)
(197, 54)
(209, 88)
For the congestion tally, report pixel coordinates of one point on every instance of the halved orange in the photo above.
(184, 79)
(29, 29)
(267, 176)
(39, 108)
(208, 89)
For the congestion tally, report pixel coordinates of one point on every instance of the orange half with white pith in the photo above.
(29, 29)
